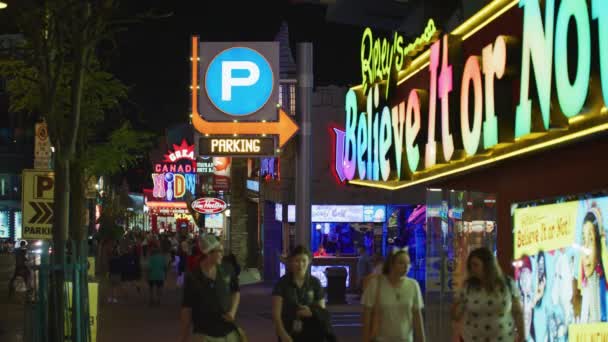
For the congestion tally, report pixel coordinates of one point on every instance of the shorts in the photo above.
(156, 283)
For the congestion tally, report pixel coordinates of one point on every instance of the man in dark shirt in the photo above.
(21, 269)
(211, 297)
(294, 297)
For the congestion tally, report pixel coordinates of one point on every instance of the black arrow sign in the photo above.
(37, 210)
(43, 212)
(48, 214)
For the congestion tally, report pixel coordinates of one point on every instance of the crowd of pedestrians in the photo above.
(486, 308)
(142, 262)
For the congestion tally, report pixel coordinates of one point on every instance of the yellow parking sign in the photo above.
(37, 203)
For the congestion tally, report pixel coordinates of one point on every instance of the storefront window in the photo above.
(341, 239)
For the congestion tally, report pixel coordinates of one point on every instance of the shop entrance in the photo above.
(457, 222)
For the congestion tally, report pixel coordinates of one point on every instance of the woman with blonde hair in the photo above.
(488, 302)
(392, 303)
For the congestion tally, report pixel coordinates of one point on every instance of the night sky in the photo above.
(152, 57)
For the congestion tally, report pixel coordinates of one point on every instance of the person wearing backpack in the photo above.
(487, 307)
(211, 298)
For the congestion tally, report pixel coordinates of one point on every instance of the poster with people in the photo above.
(561, 255)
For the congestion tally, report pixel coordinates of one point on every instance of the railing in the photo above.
(38, 313)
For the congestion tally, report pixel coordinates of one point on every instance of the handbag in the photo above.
(376, 319)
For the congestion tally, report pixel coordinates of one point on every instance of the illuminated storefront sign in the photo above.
(380, 59)
(176, 174)
(253, 185)
(451, 112)
(336, 213)
(209, 205)
(215, 221)
(237, 146)
(4, 224)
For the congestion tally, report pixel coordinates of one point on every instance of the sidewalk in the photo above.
(11, 312)
(134, 320)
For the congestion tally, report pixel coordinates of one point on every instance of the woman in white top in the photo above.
(488, 304)
(392, 303)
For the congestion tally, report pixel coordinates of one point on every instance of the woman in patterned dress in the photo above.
(488, 302)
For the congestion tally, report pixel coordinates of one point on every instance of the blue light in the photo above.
(239, 81)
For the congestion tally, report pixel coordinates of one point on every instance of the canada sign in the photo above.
(208, 205)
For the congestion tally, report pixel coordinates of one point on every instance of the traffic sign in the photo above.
(239, 95)
(239, 81)
(42, 147)
(37, 203)
(239, 146)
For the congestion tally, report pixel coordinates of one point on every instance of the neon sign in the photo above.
(176, 174)
(379, 58)
(183, 151)
(392, 142)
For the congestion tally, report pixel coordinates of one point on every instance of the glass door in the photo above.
(457, 222)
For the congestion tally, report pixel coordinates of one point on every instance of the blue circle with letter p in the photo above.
(239, 81)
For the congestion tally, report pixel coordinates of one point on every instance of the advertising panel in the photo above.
(215, 221)
(4, 224)
(562, 253)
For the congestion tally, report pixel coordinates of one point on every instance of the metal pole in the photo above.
(304, 160)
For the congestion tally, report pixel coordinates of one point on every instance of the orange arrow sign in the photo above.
(285, 128)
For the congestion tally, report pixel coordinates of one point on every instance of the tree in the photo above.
(59, 78)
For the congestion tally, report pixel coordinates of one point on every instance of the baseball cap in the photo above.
(208, 243)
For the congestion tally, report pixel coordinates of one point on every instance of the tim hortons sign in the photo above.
(209, 205)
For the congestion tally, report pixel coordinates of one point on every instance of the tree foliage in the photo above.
(101, 151)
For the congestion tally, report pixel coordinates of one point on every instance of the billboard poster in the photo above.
(561, 257)
(4, 224)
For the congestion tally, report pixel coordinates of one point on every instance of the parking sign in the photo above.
(239, 81)
(38, 197)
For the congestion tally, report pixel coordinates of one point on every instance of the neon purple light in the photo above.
(340, 162)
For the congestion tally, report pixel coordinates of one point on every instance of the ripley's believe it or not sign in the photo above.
(517, 77)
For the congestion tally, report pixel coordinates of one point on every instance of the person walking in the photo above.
(21, 269)
(211, 298)
(392, 303)
(115, 268)
(364, 267)
(298, 303)
(487, 307)
(157, 273)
